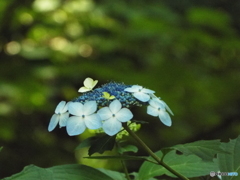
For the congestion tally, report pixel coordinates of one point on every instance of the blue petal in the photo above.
(75, 108)
(124, 115)
(61, 107)
(165, 118)
(148, 91)
(75, 126)
(156, 103)
(115, 106)
(93, 121)
(89, 107)
(104, 113)
(168, 109)
(63, 119)
(141, 96)
(53, 122)
(152, 111)
(134, 88)
(112, 126)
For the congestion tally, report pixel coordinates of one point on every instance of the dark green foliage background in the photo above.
(187, 51)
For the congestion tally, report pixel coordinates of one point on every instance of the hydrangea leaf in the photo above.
(86, 142)
(102, 144)
(206, 150)
(165, 151)
(127, 148)
(186, 165)
(66, 172)
(113, 174)
(230, 162)
(136, 176)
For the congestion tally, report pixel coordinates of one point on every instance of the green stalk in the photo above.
(125, 170)
(149, 151)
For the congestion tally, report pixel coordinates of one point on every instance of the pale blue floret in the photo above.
(142, 94)
(61, 116)
(157, 108)
(83, 116)
(113, 117)
(161, 101)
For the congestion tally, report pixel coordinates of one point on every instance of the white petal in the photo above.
(124, 115)
(60, 107)
(115, 106)
(141, 96)
(112, 126)
(104, 113)
(93, 121)
(90, 83)
(63, 119)
(152, 111)
(75, 126)
(165, 118)
(148, 91)
(89, 107)
(75, 108)
(134, 88)
(84, 89)
(53, 122)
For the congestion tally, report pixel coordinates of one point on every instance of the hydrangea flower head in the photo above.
(61, 115)
(106, 108)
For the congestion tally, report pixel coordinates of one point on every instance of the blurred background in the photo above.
(187, 51)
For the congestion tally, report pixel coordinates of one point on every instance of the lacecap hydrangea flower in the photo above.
(107, 107)
(61, 116)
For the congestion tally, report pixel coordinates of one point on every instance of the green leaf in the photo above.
(86, 142)
(127, 148)
(119, 157)
(136, 176)
(102, 144)
(206, 150)
(230, 162)
(113, 174)
(1, 148)
(189, 166)
(66, 172)
(165, 151)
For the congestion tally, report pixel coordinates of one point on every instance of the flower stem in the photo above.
(125, 170)
(124, 165)
(151, 153)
